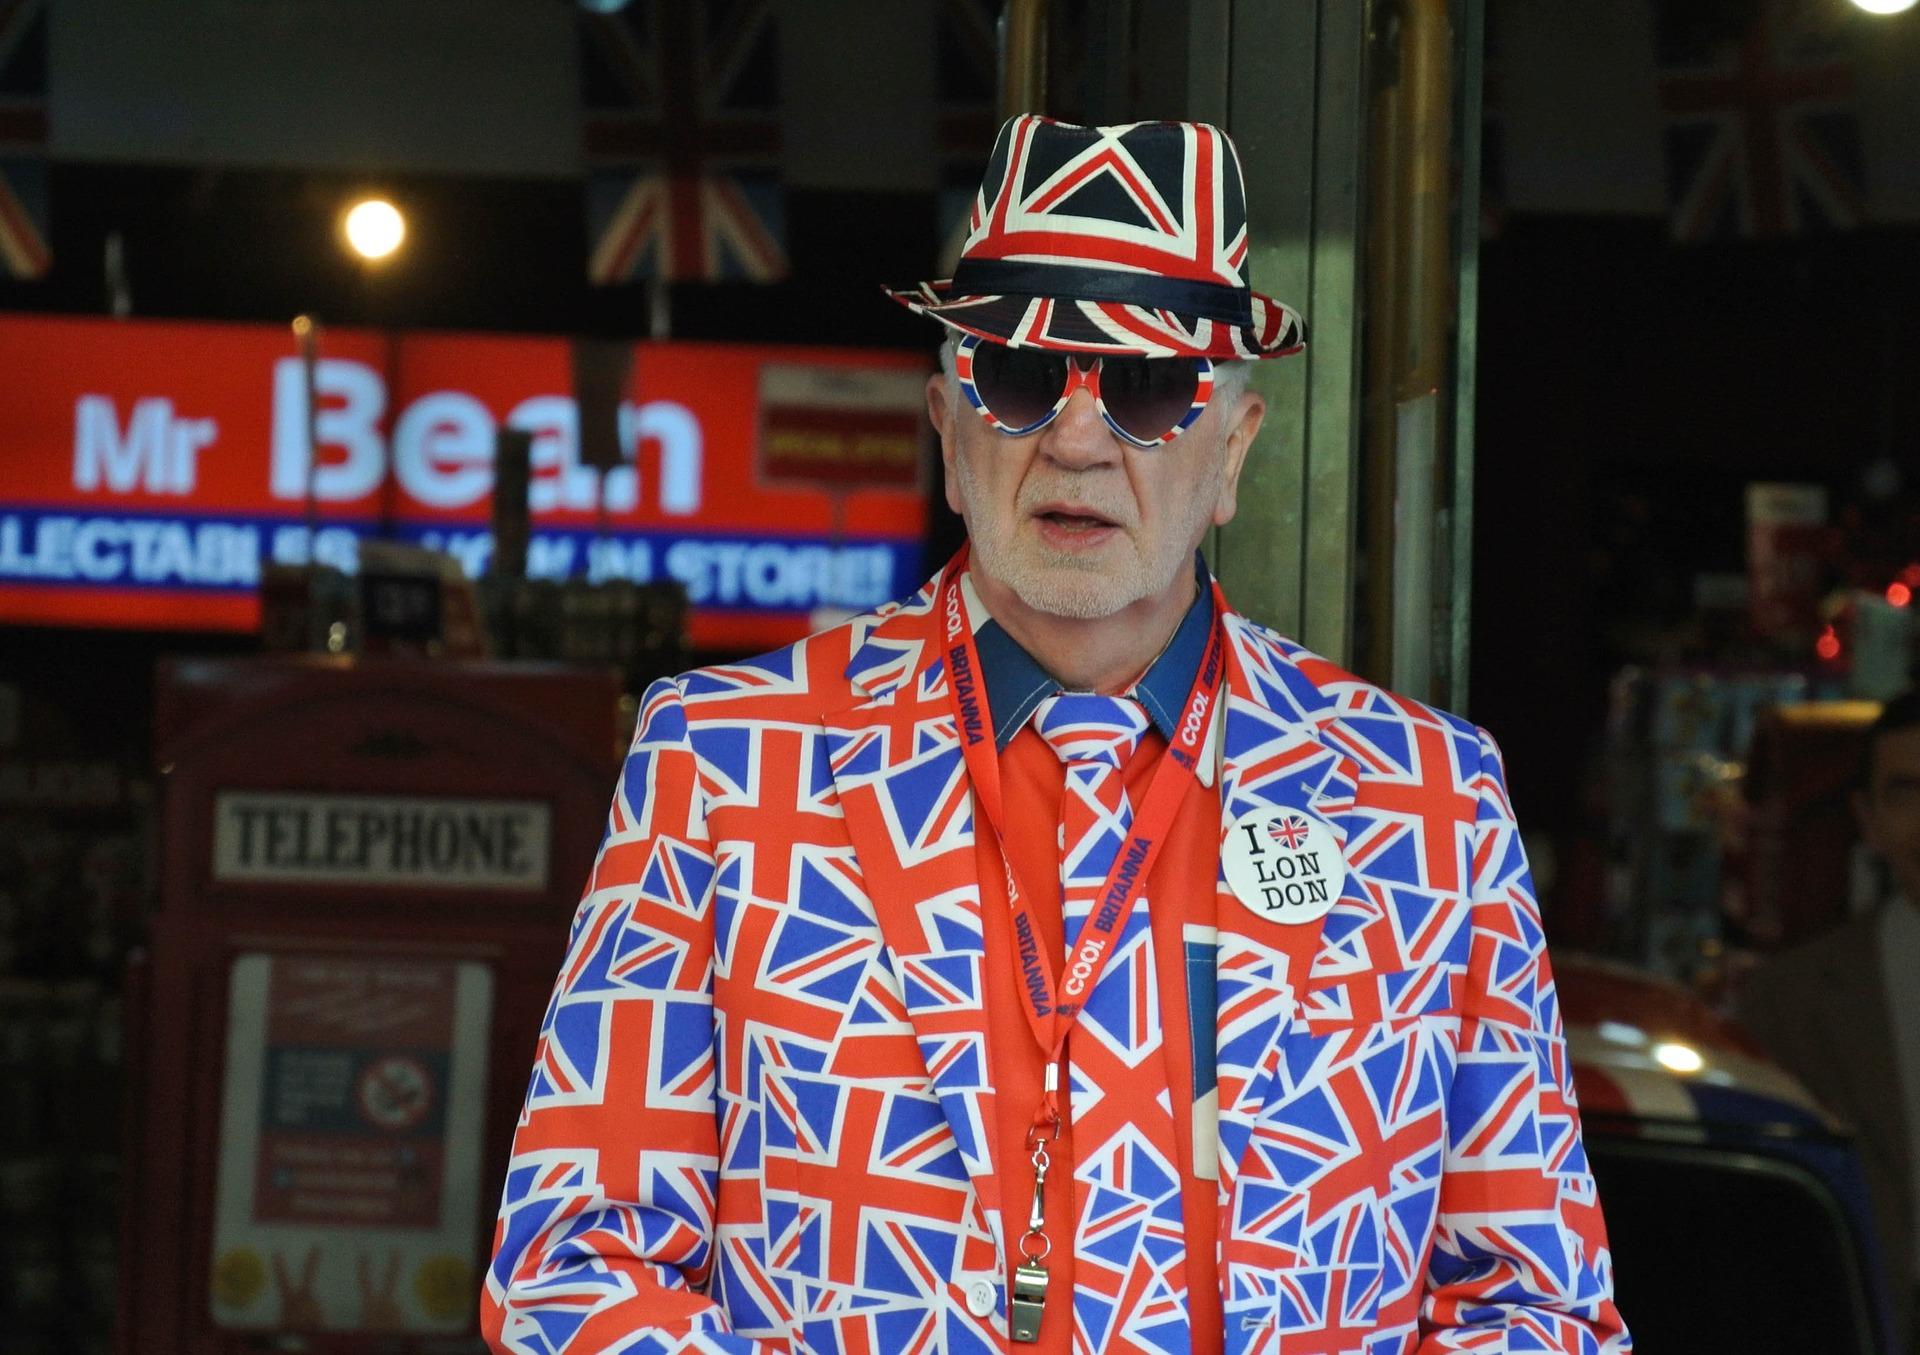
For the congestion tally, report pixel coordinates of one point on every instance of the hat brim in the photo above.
(1074, 326)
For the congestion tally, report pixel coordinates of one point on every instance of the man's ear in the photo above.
(1243, 423)
(940, 413)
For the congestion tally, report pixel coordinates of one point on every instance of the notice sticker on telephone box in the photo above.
(348, 1182)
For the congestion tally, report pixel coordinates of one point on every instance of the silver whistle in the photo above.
(1029, 1300)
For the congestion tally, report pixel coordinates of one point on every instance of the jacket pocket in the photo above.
(867, 1201)
(1339, 1169)
(1314, 1302)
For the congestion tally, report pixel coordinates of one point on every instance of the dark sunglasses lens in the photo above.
(1019, 386)
(1148, 396)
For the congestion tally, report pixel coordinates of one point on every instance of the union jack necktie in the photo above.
(1094, 736)
(1129, 1245)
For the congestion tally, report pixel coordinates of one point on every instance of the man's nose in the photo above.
(1078, 437)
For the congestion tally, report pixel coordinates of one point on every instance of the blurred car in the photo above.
(1735, 1205)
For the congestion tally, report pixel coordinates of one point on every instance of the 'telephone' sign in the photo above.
(386, 840)
(153, 469)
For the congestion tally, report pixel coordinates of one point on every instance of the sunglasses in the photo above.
(1146, 401)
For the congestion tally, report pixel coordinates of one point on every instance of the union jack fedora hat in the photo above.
(1110, 240)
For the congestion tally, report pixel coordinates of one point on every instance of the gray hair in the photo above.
(1230, 375)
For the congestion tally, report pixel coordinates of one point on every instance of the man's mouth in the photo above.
(1075, 519)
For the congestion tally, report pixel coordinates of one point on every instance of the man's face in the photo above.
(1078, 522)
(1889, 809)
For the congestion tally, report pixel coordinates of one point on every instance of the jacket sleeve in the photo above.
(1520, 1258)
(605, 1236)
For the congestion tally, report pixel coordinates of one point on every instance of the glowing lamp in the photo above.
(374, 228)
(1898, 594)
(1678, 1058)
(1885, 6)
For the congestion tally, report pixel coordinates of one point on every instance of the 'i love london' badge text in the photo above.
(1283, 865)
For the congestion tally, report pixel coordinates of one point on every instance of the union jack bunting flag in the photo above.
(682, 142)
(1760, 134)
(24, 251)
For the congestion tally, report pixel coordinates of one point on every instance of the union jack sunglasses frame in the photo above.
(1078, 376)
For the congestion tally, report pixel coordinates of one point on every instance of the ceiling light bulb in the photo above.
(375, 228)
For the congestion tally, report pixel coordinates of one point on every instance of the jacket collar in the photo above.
(902, 640)
(1016, 683)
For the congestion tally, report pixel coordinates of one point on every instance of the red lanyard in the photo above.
(1050, 1017)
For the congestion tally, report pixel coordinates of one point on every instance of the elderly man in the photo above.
(1058, 957)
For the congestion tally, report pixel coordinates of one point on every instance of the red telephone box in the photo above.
(368, 872)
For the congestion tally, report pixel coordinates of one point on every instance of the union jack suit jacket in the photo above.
(761, 1116)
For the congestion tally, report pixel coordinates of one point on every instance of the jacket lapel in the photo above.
(897, 766)
(1270, 975)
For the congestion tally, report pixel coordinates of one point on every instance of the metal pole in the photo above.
(1385, 288)
(306, 333)
(1023, 57)
(660, 306)
(1428, 141)
(1466, 347)
(1412, 294)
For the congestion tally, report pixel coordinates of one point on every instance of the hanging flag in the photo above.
(682, 141)
(24, 252)
(967, 67)
(1760, 132)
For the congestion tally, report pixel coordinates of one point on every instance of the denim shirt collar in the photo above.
(1016, 683)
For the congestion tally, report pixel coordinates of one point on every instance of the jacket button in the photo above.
(982, 1297)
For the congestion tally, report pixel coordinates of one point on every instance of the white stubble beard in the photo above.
(1069, 585)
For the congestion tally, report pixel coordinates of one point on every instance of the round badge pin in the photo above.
(1283, 865)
